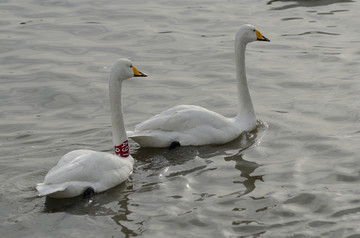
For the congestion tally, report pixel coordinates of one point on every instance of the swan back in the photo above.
(80, 169)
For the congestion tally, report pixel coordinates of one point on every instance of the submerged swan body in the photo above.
(79, 170)
(194, 125)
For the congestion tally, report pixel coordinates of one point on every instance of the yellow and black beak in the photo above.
(260, 37)
(137, 73)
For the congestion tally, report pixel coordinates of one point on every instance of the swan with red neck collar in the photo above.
(80, 170)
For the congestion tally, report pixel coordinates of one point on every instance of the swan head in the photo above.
(248, 33)
(123, 69)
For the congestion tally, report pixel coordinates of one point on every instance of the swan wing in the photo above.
(182, 118)
(188, 124)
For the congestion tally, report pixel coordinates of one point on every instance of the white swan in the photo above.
(81, 170)
(193, 125)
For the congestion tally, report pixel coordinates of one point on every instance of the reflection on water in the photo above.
(97, 205)
(246, 168)
(94, 205)
(304, 3)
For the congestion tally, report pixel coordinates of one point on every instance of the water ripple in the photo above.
(296, 176)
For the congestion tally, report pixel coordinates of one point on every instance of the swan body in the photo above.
(194, 125)
(81, 169)
(189, 125)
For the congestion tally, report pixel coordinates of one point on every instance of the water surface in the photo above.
(297, 175)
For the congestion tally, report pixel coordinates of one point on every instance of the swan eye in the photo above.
(254, 30)
(131, 66)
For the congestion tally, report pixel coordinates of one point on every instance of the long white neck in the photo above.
(117, 120)
(246, 113)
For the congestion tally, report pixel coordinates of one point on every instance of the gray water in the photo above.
(296, 175)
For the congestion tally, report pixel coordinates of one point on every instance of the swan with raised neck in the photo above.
(245, 117)
(120, 72)
(189, 125)
(84, 171)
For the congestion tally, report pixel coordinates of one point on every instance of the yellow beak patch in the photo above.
(259, 36)
(137, 73)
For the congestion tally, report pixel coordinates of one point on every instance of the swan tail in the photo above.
(45, 189)
(143, 140)
(146, 139)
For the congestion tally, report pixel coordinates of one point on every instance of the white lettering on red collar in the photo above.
(123, 149)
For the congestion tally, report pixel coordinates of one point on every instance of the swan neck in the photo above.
(245, 106)
(117, 120)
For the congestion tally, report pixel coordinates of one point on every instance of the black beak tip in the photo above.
(264, 39)
(140, 75)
